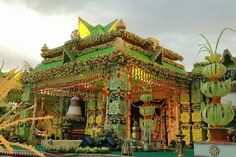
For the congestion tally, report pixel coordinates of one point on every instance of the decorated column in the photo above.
(215, 113)
(185, 115)
(96, 113)
(198, 131)
(117, 109)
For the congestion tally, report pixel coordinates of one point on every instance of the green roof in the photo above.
(96, 53)
(138, 55)
(108, 50)
(95, 46)
(174, 68)
(41, 67)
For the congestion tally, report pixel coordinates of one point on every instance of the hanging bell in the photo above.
(74, 110)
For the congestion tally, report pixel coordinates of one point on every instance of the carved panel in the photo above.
(196, 116)
(184, 97)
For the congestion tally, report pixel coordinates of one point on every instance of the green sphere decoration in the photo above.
(146, 97)
(147, 110)
(216, 89)
(218, 115)
(214, 70)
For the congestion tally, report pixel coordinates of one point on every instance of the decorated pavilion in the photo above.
(108, 69)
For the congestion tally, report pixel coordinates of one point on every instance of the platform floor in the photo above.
(187, 153)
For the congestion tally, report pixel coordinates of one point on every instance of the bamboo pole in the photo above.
(3, 117)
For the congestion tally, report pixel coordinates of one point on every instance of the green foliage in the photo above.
(218, 40)
(76, 149)
(213, 57)
(14, 95)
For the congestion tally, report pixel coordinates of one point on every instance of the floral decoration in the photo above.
(54, 59)
(185, 117)
(117, 119)
(196, 116)
(101, 61)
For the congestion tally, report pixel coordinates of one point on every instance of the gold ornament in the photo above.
(214, 150)
(185, 117)
(196, 116)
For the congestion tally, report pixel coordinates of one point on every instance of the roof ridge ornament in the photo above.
(121, 26)
(45, 48)
(85, 29)
(119, 44)
(152, 44)
(227, 52)
(75, 34)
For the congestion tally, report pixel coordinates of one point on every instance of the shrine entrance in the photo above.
(75, 118)
(159, 109)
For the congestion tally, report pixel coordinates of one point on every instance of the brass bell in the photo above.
(74, 108)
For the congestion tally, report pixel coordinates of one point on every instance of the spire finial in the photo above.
(45, 48)
(121, 25)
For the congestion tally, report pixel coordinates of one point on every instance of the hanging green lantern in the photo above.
(218, 114)
(150, 123)
(216, 89)
(214, 70)
(146, 97)
(147, 110)
(91, 104)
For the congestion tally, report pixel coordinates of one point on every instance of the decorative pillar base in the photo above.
(217, 135)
